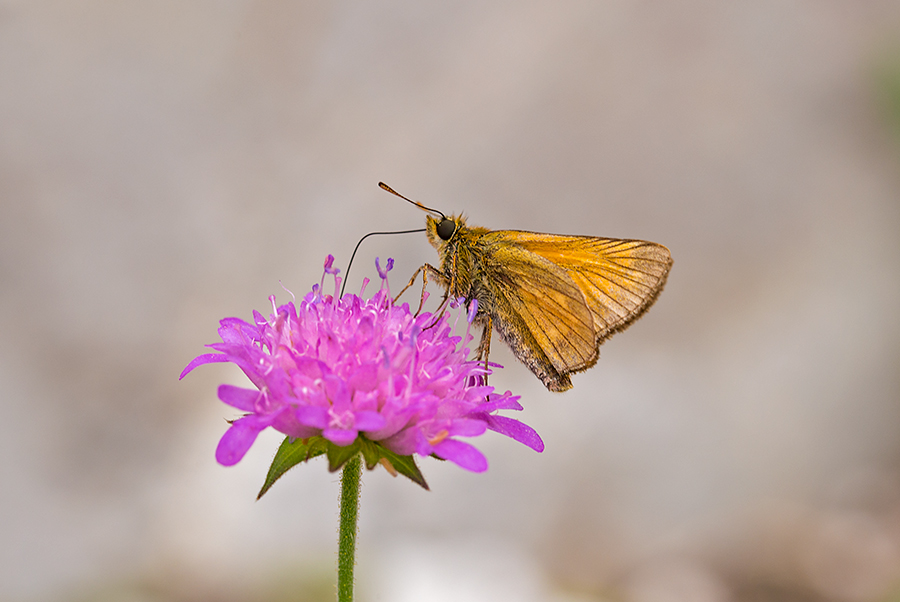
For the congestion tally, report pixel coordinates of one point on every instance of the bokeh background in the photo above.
(166, 164)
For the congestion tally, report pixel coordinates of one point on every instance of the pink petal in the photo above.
(341, 437)
(206, 358)
(238, 439)
(242, 399)
(364, 378)
(312, 416)
(514, 429)
(507, 401)
(286, 422)
(368, 421)
(467, 428)
(462, 454)
(403, 442)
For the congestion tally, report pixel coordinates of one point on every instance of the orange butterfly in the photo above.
(553, 299)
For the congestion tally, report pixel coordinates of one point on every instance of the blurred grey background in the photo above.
(166, 164)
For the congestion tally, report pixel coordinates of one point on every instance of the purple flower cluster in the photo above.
(344, 367)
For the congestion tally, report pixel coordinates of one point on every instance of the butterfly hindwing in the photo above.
(541, 313)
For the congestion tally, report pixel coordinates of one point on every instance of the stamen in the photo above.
(344, 420)
(385, 285)
(390, 372)
(293, 298)
(440, 436)
(469, 336)
(410, 377)
(329, 261)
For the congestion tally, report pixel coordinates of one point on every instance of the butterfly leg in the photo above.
(484, 347)
(440, 279)
(426, 269)
(410, 283)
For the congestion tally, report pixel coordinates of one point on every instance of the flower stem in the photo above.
(350, 478)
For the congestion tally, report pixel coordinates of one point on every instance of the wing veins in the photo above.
(591, 344)
(538, 283)
(558, 315)
(551, 312)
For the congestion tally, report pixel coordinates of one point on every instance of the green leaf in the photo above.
(318, 446)
(289, 454)
(374, 452)
(371, 452)
(405, 465)
(338, 456)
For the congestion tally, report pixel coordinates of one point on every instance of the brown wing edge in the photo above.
(527, 351)
(648, 302)
(510, 322)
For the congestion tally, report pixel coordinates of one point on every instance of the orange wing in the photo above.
(620, 279)
(570, 293)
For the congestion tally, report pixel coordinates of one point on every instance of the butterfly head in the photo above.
(442, 229)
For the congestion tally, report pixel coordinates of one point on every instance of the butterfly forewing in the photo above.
(619, 279)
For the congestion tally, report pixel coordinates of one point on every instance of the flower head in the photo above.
(349, 369)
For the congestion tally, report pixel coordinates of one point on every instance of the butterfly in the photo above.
(552, 298)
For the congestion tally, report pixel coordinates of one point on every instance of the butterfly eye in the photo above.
(446, 228)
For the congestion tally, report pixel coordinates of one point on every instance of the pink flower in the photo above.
(345, 368)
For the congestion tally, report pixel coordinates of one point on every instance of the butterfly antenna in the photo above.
(384, 186)
(356, 248)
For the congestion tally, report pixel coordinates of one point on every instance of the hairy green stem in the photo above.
(350, 478)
